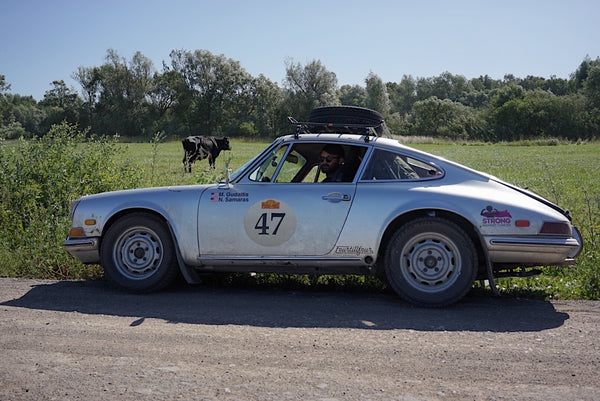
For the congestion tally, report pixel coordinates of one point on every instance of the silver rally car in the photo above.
(428, 226)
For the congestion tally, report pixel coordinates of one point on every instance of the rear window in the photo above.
(386, 165)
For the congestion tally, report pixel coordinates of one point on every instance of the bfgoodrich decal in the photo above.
(353, 250)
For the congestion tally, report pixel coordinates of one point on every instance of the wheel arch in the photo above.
(188, 273)
(457, 219)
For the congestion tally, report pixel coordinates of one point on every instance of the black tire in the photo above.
(431, 262)
(345, 115)
(137, 253)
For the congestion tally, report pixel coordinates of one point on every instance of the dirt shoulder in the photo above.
(87, 340)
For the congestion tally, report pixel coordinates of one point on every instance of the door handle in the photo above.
(336, 197)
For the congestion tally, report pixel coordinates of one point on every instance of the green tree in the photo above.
(90, 81)
(214, 91)
(163, 94)
(402, 95)
(581, 73)
(558, 86)
(60, 104)
(308, 87)
(10, 128)
(506, 93)
(353, 95)
(163, 100)
(445, 118)
(591, 90)
(123, 95)
(484, 83)
(263, 109)
(444, 86)
(591, 86)
(4, 86)
(21, 116)
(541, 114)
(4, 106)
(377, 95)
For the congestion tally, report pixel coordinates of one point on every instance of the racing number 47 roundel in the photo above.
(270, 222)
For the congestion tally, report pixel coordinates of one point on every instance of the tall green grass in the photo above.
(39, 179)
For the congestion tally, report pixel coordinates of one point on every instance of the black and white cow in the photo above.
(202, 147)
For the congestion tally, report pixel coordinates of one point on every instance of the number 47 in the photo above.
(262, 224)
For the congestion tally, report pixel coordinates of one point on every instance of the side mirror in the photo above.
(225, 184)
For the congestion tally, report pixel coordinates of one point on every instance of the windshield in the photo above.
(266, 171)
(237, 173)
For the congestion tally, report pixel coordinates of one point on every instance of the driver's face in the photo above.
(329, 162)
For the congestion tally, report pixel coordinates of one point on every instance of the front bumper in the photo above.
(87, 249)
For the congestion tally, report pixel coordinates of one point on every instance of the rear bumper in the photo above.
(533, 251)
(87, 250)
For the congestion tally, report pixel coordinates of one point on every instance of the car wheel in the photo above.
(137, 253)
(431, 262)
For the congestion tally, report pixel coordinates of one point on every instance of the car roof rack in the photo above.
(368, 130)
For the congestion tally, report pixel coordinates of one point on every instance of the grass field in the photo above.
(567, 174)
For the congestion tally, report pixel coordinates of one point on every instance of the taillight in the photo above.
(562, 228)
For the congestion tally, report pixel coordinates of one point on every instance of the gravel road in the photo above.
(66, 340)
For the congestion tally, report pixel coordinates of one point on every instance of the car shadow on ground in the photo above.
(203, 305)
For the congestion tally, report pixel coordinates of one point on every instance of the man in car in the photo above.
(331, 161)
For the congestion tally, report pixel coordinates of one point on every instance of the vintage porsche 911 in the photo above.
(333, 197)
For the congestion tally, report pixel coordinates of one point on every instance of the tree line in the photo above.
(200, 93)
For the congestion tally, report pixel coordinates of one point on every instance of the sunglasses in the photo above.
(327, 159)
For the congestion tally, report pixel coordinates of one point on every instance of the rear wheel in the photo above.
(431, 262)
(137, 253)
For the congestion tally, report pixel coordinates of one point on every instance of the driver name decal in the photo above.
(225, 196)
(270, 222)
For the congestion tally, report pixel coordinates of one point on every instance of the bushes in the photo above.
(39, 179)
(13, 130)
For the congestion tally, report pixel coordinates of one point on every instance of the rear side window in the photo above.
(386, 165)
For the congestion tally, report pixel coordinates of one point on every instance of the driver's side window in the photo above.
(303, 163)
(292, 164)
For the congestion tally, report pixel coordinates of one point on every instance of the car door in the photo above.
(266, 216)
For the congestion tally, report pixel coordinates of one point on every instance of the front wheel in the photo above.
(431, 262)
(137, 253)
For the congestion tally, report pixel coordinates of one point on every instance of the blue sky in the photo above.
(46, 40)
